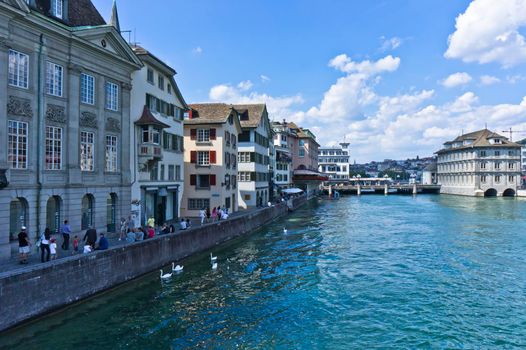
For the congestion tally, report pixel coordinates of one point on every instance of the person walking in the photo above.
(53, 248)
(214, 214)
(66, 234)
(208, 215)
(123, 229)
(44, 245)
(103, 243)
(202, 215)
(90, 237)
(23, 245)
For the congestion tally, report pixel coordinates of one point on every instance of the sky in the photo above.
(396, 79)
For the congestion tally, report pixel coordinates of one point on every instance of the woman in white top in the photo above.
(44, 244)
(202, 215)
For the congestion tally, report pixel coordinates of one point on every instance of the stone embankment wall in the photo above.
(33, 291)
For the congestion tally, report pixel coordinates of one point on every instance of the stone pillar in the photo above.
(72, 154)
(386, 188)
(4, 59)
(359, 189)
(414, 189)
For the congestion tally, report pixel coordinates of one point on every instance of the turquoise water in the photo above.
(370, 272)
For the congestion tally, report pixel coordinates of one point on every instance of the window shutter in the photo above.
(252, 176)
(165, 140)
(252, 157)
(212, 134)
(193, 134)
(212, 157)
(193, 157)
(193, 180)
(181, 145)
(212, 180)
(175, 143)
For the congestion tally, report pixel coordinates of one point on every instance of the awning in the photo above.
(292, 190)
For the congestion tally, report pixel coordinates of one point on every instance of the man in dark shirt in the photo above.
(103, 242)
(91, 237)
(23, 245)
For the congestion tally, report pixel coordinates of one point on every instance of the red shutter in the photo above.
(193, 134)
(193, 157)
(190, 114)
(193, 180)
(212, 157)
(212, 134)
(212, 180)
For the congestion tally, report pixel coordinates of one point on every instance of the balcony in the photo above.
(149, 152)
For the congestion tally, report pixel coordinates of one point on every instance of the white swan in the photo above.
(165, 276)
(214, 266)
(177, 268)
(285, 231)
(213, 258)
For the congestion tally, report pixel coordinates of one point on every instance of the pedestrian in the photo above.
(171, 229)
(130, 236)
(87, 249)
(103, 242)
(151, 232)
(123, 229)
(164, 229)
(23, 245)
(151, 222)
(188, 223)
(53, 248)
(202, 216)
(214, 214)
(219, 213)
(75, 244)
(90, 237)
(44, 244)
(224, 215)
(145, 232)
(139, 235)
(208, 215)
(183, 224)
(66, 232)
(130, 223)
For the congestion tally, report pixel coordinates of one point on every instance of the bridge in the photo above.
(383, 185)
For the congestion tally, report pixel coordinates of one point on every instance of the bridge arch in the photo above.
(491, 192)
(509, 192)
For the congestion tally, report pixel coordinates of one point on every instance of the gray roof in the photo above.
(431, 167)
(479, 138)
(80, 13)
(255, 113)
(209, 113)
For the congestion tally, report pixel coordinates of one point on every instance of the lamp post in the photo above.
(359, 189)
(386, 186)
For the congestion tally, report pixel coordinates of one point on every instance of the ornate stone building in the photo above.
(65, 117)
(481, 163)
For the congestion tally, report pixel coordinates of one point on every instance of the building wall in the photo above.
(40, 110)
(334, 162)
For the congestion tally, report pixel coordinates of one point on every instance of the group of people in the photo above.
(217, 214)
(47, 243)
(131, 234)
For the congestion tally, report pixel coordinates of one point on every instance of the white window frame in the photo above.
(112, 153)
(54, 79)
(203, 135)
(57, 8)
(203, 158)
(18, 69)
(112, 96)
(53, 148)
(87, 89)
(87, 151)
(19, 140)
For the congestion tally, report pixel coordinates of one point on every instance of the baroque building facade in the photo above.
(481, 163)
(65, 115)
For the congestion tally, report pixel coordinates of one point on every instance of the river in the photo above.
(371, 272)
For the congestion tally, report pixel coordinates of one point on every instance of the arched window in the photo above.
(87, 211)
(111, 212)
(53, 213)
(18, 209)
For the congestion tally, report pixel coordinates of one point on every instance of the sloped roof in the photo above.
(147, 118)
(81, 13)
(210, 113)
(480, 138)
(255, 113)
(431, 167)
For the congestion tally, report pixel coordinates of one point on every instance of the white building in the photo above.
(481, 163)
(253, 156)
(157, 110)
(334, 162)
(283, 144)
(429, 174)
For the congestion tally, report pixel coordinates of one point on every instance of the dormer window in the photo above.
(57, 8)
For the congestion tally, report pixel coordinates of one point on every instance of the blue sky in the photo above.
(387, 89)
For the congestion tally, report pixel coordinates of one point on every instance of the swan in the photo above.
(285, 231)
(214, 266)
(213, 258)
(177, 268)
(166, 275)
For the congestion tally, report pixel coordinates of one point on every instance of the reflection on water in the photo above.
(396, 271)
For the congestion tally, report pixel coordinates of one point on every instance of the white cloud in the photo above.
(197, 51)
(489, 80)
(489, 32)
(245, 85)
(456, 79)
(390, 43)
(514, 79)
(264, 78)
(345, 64)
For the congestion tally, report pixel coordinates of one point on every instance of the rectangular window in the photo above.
(53, 148)
(18, 69)
(497, 165)
(482, 153)
(497, 178)
(150, 76)
(483, 179)
(302, 143)
(169, 88)
(497, 153)
(171, 172)
(111, 153)
(511, 179)
(198, 203)
(57, 8)
(154, 172)
(511, 153)
(17, 144)
(160, 82)
(203, 158)
(511, 165)
(203, 135)
(54, 78)
(87, 89)
(178, 172)
(87, 151)
(302, 152)
(112, 96)
(203, 181)
(162, 172)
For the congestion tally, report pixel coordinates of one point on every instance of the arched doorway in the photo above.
(111, 212)
(490, 193)
(18, 209)
(87, 211)
(508, 193)
(53, 213)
